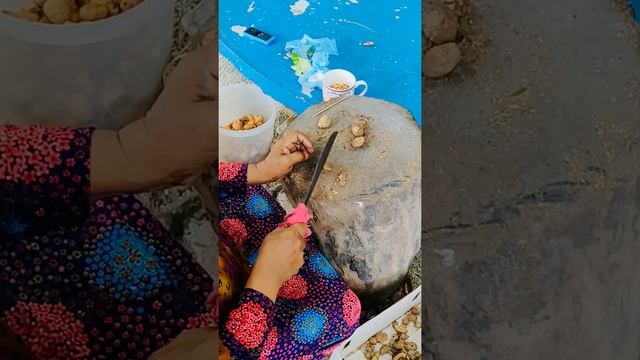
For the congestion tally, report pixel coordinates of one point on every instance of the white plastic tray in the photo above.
(377, 324)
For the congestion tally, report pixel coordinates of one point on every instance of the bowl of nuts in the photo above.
(246, 122)
(83, 62)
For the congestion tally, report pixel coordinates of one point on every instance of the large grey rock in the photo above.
(367, 208)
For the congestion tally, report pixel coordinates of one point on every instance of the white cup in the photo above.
(344, 77)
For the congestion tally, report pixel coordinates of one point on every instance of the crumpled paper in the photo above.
(310, 58)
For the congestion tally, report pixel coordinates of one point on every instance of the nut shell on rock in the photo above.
(324, 122)
(440, 24)
(358, 142)
(357, 130)
(440, 60)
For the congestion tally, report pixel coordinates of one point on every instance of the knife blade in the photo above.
(320, 165)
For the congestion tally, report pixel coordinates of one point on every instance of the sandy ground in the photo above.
(531, 188)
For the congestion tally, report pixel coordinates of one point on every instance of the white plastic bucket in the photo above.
(104, 73)
(246, 146)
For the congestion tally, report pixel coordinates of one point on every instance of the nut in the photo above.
(415, 311)
(385, 349)
(405, 321)
(324, 122)
(412, 317)
(57, 11)
(442, 59)
(441, 24)
(93, 12)
(410, 346)
(247, 122)
(368, 349)
(342, 179)
(357, 142)
(63, 11)
(113, 9)
(382, 337)
(357, 129)
(24, 15)
(400, 356)
(373, 340)
(398, 345)
(128, 4)
(399, 328)
(101, 2)
(404, 337)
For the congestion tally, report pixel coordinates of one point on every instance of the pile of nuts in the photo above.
(442, 27)
(395, 347)
(246, 122)
(74, 11)
(358, 130)
(339, 86)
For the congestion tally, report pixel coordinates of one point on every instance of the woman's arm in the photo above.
(44, 177)
(248, 328)
(175, 141)
(245, 330)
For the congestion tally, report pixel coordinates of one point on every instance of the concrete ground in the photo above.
(531, 188)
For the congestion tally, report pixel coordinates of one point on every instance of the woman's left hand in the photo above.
(293, 148)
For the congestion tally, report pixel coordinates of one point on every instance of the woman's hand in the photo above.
(292, 148)
(174, 142)
(280, 257)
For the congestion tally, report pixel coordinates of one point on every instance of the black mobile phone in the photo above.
(260, 35)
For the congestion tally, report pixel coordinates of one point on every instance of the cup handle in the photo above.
(361, 83)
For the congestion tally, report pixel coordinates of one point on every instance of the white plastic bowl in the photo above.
(246, 146)
(105, 73)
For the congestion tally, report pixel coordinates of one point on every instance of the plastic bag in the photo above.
(366, 209)
(310, 59)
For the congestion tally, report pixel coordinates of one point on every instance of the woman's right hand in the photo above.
(280, 257)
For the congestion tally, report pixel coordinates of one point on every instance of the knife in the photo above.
(320, 165)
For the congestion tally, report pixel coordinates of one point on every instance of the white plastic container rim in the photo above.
(377, 324)
(252, 132)
(83, 33)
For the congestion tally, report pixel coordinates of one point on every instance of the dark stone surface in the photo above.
(531, 189)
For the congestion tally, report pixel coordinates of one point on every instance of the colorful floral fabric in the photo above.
(80, 280)
(315, 310)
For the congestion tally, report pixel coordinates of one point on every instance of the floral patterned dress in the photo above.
(314, 311)
(81, 280)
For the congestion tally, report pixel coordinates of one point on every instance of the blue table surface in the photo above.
(391, 68)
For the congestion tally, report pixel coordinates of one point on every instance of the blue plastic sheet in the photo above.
(391, 67)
